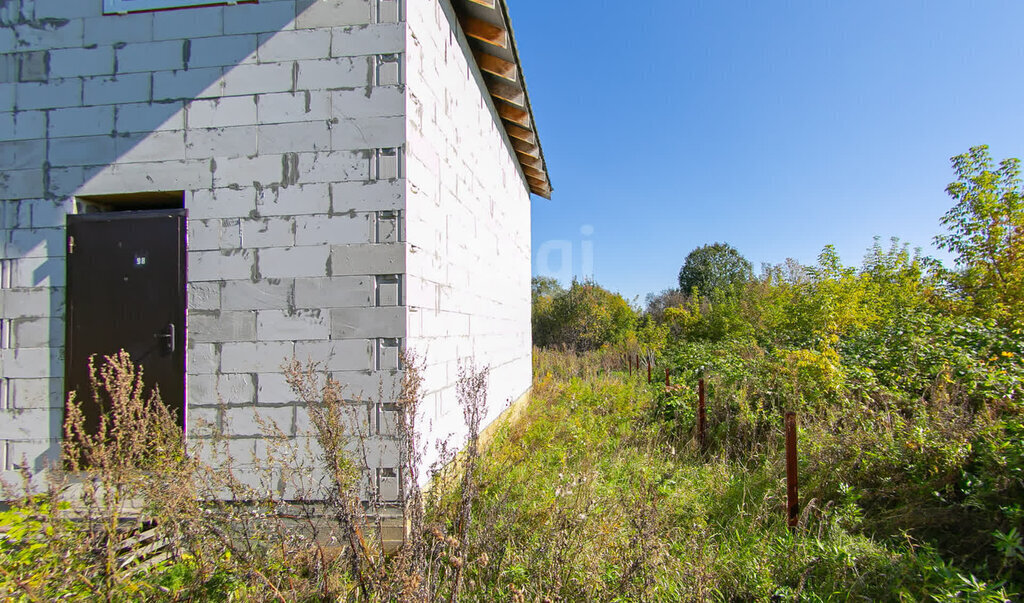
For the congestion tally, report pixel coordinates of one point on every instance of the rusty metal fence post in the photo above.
(792, 494)
(667, 381)
(702, 418)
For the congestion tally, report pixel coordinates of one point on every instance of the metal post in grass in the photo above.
(668, 383)
(792, 495)
(629, 361)
(702, 418)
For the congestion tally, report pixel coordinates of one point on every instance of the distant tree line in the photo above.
(719, 296)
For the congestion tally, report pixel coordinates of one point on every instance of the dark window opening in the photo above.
(130, 202)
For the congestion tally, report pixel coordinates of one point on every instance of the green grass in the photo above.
(599, 492)
(593, 495)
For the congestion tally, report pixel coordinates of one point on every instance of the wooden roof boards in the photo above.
(488, 28)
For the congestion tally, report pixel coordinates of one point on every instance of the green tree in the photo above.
(544, 290)
(584, 317)
(986, 233)
(657, 304)
(545, 287)
(714, 270)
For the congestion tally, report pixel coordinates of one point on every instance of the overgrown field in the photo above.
(601, 493)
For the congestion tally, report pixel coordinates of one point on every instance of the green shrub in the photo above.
(585, 317)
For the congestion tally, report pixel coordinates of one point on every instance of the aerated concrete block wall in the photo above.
(349, 193)
(468, 224)
(284, 124)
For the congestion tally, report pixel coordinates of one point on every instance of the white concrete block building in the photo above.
(219, 187)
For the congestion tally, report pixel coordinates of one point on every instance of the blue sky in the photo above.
(776, 126)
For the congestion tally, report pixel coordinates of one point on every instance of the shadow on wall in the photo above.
(87, 97)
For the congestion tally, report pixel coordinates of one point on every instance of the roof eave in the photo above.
(488, 28)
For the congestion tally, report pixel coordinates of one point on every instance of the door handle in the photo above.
(169, 336)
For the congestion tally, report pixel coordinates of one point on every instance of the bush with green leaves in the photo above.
(584, 317)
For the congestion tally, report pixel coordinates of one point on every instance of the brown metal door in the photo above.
(126, 290)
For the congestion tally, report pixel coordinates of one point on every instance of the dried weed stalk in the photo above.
(136, 510)
(125, 471)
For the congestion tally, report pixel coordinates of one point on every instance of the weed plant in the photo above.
(134, 513)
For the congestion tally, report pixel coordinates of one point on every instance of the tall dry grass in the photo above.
(134, 513)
